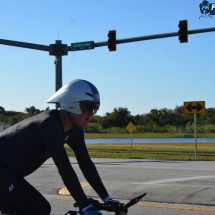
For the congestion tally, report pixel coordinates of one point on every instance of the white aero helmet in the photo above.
(77, 96)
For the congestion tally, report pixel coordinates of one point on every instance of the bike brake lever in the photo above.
(134, 201)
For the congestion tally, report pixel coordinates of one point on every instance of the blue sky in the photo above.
(141, 76)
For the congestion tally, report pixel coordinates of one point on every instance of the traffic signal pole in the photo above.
(58, 49)
(53, 49)
(58, 71)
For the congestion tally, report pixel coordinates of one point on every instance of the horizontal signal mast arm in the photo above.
(154, 36)
(99, 44)
(27, 45)
(149, 37)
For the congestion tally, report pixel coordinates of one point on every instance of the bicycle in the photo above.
(110, 206)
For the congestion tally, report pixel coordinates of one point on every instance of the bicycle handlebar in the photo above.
(113, 206)
(134, 200)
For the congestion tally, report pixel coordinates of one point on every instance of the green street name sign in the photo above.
(82, 46)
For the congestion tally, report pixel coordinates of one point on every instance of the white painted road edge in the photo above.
(175, 179)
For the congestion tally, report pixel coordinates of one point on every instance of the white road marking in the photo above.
(176, 179)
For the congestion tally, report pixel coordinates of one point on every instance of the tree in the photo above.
(118, 118)
(96, 119)
(137, 119)
(167, 117)
(208, 117)
(107, 121)
(2, 110)
(14, 120)
(32, 110)
(179, 115)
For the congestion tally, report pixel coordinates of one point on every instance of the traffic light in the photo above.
(183, 31)
(112, 40)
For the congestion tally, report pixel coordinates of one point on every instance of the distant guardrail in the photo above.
(4, 125)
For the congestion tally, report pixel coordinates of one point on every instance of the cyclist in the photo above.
(25, 146)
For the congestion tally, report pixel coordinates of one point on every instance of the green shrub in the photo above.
(93, 128)
(189, 127)
(209, 128)
(170, 129)
(140, 129)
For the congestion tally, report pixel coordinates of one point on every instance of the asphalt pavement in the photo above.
(169, 184)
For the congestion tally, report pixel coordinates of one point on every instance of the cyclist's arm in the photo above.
(51, 134)
(87, 166)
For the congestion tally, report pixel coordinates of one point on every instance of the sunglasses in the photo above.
(89, 106)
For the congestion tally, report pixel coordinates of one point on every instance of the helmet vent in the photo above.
(89, 94)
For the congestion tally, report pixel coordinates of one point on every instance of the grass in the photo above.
(157, 156)
(202, 147)
(168, 149)
(145, 135)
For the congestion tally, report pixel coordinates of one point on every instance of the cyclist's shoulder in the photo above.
(31, 122)
(39, 118)
(49, 119)
(42, 121)
(49, 115)
(32, 125)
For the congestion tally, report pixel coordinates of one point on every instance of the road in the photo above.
(173, 187)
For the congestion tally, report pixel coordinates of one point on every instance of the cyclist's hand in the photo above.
(91, 200)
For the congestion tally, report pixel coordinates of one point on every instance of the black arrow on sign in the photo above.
(190, 107)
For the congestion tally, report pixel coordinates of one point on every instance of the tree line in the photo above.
(14, 116)
(162, 120)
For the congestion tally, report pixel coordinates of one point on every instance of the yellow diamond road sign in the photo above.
(194, 107)
(130, 127)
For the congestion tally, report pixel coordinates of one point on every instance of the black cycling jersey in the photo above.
(25, 146)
